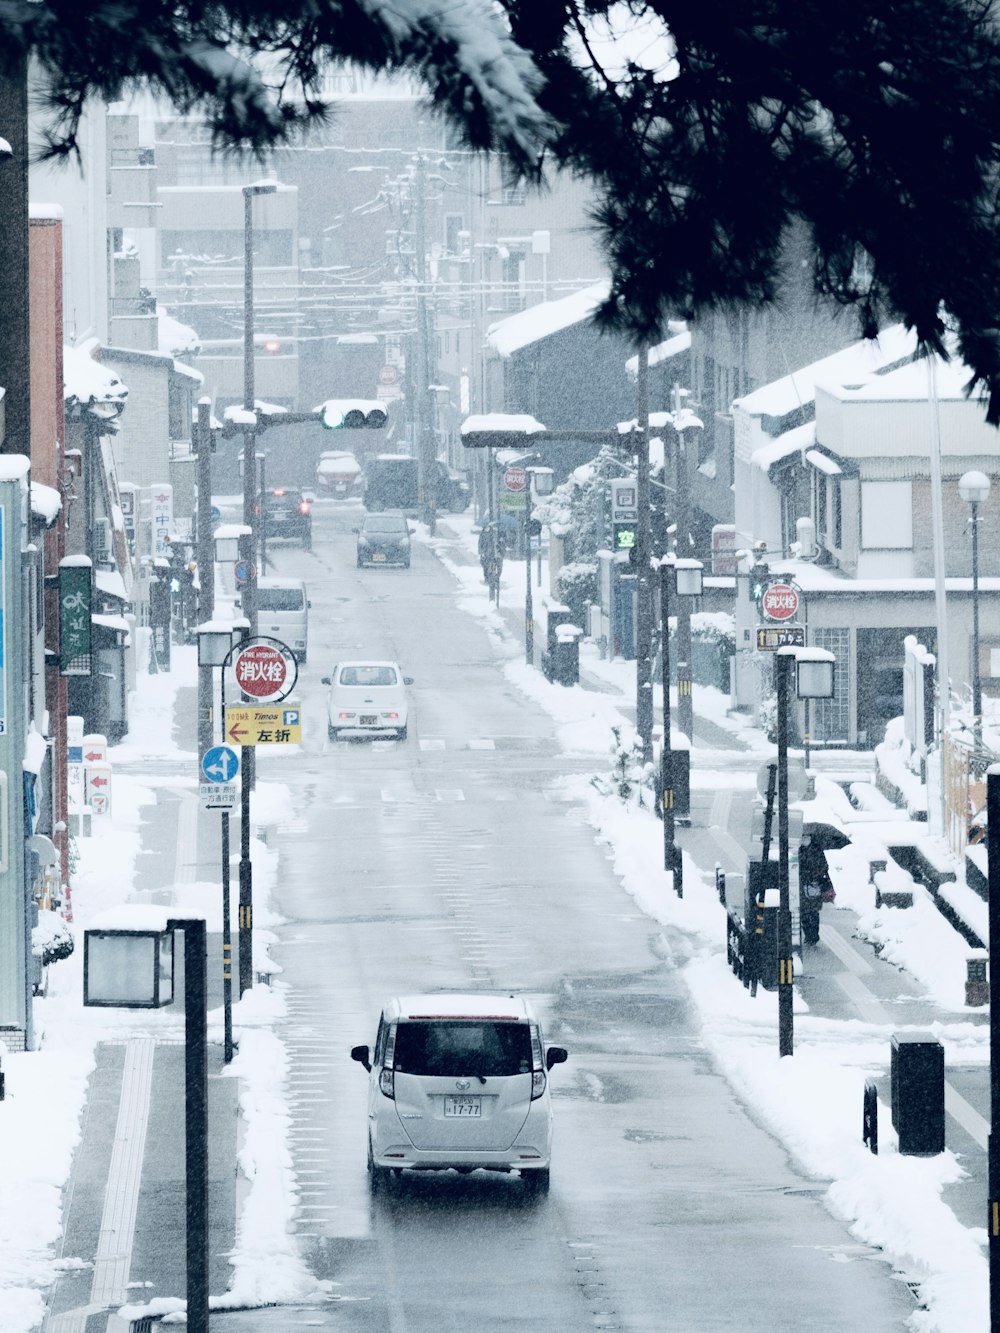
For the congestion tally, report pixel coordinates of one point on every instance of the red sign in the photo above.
(515, 478)
(261, 671)
(780, 602)
(388, 375)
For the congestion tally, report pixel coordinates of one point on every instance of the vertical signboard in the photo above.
(74, 616)
(15, 905)
(126, 493)
(161, 511)
(3, 622)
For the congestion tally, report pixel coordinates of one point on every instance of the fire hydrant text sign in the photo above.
(273, 724)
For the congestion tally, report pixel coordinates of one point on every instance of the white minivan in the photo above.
(459, 1081)
(283, 611)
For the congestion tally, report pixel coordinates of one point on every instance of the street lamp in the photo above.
(813, 680)
(974, 488)
(217, 641)
(128, 963)
(687, 576)
(993, 1139)
(542, 480)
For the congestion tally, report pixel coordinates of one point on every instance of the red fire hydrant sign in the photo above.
(261, 672)
(780, 602)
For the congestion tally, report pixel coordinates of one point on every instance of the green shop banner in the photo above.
(74, 620)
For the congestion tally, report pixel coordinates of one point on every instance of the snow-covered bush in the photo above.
(577, 585)
(52, 938)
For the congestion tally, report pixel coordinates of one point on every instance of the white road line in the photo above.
(735, 852)
(864, 1001)
(186, 856)
(967, 1116)
(844, 950)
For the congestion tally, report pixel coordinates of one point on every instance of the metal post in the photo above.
(670, 857)
(206, 567)
(993, 1142)
(784, 664)
(977, 680)
(262, 460)
(249, 599)
(195, 1118)
(685, 702)
(644, 579)
(227, 948)
(529, 613)
(425, 449)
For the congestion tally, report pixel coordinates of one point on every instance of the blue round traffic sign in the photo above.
(220, 764)
(216, 514)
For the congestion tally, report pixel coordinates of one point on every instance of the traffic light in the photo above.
(353, 414)
(760, 579)
(624, 538)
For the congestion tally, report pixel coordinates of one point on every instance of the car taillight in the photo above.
(304, 507)
(343, 715)
(392, 715)
(537, 1083)
(385, 1084)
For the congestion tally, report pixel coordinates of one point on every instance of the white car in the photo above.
(367, 696)
(459, 1081)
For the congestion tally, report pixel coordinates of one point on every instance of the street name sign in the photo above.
(276, 724)
(772, 637)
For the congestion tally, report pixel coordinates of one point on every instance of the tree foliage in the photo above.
(708, 127)
(876, 122)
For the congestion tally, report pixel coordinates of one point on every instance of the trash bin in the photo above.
(566, 655)
(554, 616)
(917, 1088)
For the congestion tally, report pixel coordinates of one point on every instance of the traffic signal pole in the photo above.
(644, 577)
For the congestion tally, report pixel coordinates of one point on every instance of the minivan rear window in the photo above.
(457, 1049)
(280, 599)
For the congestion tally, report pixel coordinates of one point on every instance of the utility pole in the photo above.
(426, 484)
(15, 343)
(685, 702)
(644, 578)
(206, 567)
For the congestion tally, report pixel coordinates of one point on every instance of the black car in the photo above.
(287, 513)
(384, 539)
(453, 490)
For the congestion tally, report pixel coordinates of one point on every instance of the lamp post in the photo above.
(993, 1140)
(687, 576)
(683, 419)
(132, 967)
(217, 641)
(813, 680)
(541, 479)
(974, 488)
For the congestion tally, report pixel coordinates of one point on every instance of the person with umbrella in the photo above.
(815, 884)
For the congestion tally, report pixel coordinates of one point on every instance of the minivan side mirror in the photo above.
(324, 680)
(363, 1056)
(407, 680)
(411, 531)
(555, 1055)
(308, 604)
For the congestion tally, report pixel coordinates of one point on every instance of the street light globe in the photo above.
(544, 480)
(974, 487)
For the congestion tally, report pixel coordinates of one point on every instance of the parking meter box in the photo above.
(916, 1074)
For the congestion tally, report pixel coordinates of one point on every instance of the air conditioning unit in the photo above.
(102, 539)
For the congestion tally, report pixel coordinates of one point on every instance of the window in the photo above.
(453, 1049)
(280, 599)
(366, 676)
(886, 516)
(838, 515)
(831, 718)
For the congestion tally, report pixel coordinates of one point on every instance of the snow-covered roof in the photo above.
(791, 442)
(673, 346)
(111, 584)
(118, 623)
(541, 321)
(853, 364)
(87, 382)
(189, 372)
(907, 383)
(45, 212)
(34, 751)
(14, 467)
(45, 502)
(175, 338)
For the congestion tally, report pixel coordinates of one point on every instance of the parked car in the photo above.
(459, 1081)
(288, 513)
(283, 610)
(384, 539)
(339, 474)
(366, 697)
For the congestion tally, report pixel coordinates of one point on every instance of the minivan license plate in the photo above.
(368, 719)
(378, 556)
(470, 1107)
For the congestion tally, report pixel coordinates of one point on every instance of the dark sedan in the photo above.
(287, 513)
(384, 539)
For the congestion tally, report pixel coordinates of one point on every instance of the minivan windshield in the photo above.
(280, 599)
(451, 1049)
(385, 523)
(368, 675)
